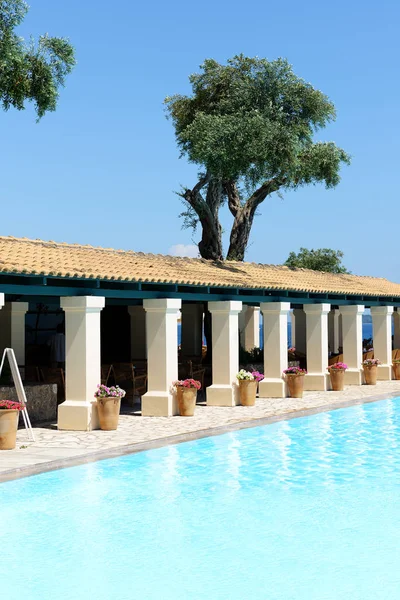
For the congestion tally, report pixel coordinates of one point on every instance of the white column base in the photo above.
(159, 404)
(77, 415)
(272, 388)
(354, 377)
(317, 382)
(384, 373)
(223, 395)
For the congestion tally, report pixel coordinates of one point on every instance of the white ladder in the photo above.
(9, 352)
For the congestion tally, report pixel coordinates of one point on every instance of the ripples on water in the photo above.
(301, 509)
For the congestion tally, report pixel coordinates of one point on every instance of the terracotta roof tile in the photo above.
(22, 255)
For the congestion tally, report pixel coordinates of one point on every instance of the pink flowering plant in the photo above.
(10, 405)
(109, 392)
(371, 362)
(339, 366)
(294, 371)
(187, 383)
(257, 376)
(292, 350)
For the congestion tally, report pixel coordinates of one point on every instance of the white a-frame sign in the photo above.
(9, 352)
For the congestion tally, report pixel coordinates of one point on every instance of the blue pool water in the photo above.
(307, 509)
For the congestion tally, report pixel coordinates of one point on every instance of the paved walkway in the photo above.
(53, 449)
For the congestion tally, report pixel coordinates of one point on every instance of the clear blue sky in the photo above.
(103, 168)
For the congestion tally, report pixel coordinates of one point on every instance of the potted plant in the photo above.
(186, 391)
(9, 414)
(371, 370)
(336, 373)
(396, 368)
(108, 405)
(295, 380)
(247, 387)
(257, 376)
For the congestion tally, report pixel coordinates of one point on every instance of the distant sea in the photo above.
(367, 333)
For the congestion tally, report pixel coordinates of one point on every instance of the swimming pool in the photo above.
(307, 509)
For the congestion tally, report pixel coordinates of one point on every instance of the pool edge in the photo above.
(54, 465)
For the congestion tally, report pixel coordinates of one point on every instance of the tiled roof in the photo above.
(22, 255)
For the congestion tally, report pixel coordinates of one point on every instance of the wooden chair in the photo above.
(396, 354)
(335, 359)
(194, 364)
(106, 372)
(139, 385)
(54, 375)
(32, 373)
(198, 375)
(123, 373)
(140, 366)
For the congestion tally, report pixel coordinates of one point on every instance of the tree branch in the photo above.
(233, 197)
(267, 188)
(194, 197)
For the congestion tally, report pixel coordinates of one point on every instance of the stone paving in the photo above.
(53, 448)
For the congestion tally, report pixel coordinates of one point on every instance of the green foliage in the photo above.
(254, 119)
(323, 259)
(250, 357)
(30, 72)
(249, 126)
(368, 344)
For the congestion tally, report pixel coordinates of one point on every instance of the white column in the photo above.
(351, 317)
(300, 332)
(333, 330)
(192, 330)
(396, 339)
(249, 327)
(275, 315)
(382, 336)
(317, 347)
(18, 312)
(162, 357)
(12, 328)
(224, 390)
(293, 329)
(82, 362)
(138, 332)
(2, 344)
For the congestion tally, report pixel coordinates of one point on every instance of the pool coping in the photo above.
(73, 461)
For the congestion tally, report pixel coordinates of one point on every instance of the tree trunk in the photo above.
(207, 211)
(244, 214)
(210, 245)
(240, 233)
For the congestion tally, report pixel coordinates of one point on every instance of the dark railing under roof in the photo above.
(33, 287)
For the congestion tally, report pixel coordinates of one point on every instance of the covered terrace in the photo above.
(123, 307)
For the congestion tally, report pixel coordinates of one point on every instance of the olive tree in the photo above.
(249, 126)
(30, 71)
(322, 259)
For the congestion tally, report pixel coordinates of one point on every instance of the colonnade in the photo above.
(315, 327)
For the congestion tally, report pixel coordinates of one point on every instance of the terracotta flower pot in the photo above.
(8, 428)
(396, 370)
(186, 400)
(337, 379)
(108, 409)
(247, 392)
(295, 385)
(370, 374)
